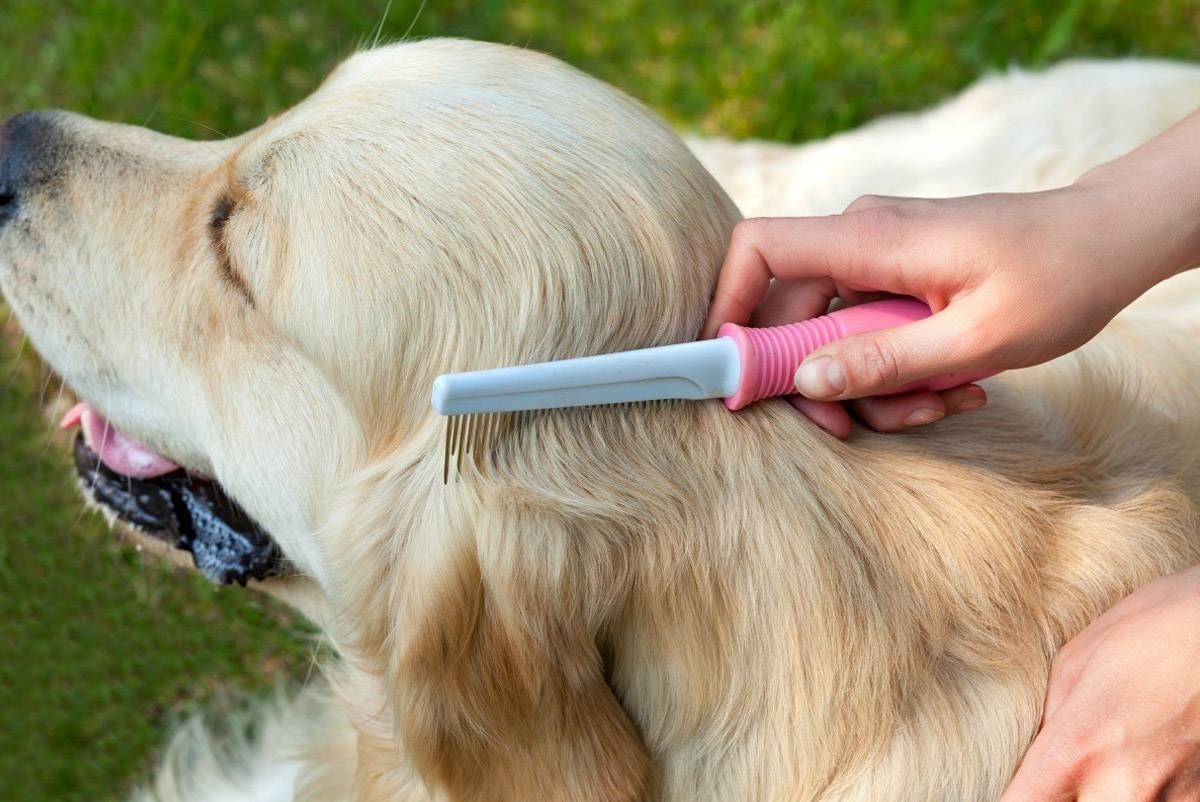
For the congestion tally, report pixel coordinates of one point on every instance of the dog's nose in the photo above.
(8, 202)
(8, 186)
(24, 147)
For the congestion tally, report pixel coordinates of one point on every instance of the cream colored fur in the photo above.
(280, 751)
(675, 604)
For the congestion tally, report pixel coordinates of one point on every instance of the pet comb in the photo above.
(741, 365)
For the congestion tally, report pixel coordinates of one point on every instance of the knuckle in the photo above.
(977, 344)
(928, 208)
(1141, 781)
(889, 227)
(1060, 668)
(747, 233)
(1071, 756)
(1066, 656)
(878, 364)
(881, 219)
(868, 201)
(980, 239)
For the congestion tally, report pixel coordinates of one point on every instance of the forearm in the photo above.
(1014, 279)
(1154, 194)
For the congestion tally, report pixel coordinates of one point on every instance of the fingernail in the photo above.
(920, 417)
(971, 403)
(822, 377)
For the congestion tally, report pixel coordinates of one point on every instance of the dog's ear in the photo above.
(500, 691)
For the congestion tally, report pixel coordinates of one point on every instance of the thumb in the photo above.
(881, 362)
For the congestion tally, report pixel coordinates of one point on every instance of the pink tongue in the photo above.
(121, 454)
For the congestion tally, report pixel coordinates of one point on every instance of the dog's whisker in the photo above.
(52, 430)
(198, 124)
(45, 386)
(15, 371)
(103, 433)
(152, 112)
(413, 24)
(313, 661)
(382, 21)
(62, 387)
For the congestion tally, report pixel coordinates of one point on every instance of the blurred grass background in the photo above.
(99, 651)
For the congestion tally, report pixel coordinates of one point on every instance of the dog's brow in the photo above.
(221, 213)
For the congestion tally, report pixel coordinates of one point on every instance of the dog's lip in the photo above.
(183, 508)
(186, 511)
(119, 452)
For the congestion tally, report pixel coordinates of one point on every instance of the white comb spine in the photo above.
(704, 369)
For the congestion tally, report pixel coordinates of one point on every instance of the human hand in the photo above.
(1012, 279)
(1122, 713)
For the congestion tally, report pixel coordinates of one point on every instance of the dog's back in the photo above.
(876, 619)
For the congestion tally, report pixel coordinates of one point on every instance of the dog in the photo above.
(664, 603)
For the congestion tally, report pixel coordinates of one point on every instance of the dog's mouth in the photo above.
(157, 497)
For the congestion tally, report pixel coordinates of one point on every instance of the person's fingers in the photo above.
(1062, 680)
(865, 250)
(744, 279)
(790, 301)
(848, 296)
(829, 415)
(964, 398)
(891, 413)
(894, 413)
(1068, 666)
(1064, 674)
(864, 202)
(1121, 782)
(1043, 774)
(771, 312)
(1183, 787)
(880, 362)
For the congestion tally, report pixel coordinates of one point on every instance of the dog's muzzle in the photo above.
(187, 512)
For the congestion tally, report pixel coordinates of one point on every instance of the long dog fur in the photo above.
(674, 603)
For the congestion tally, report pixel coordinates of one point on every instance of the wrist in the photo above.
(1156, 216)
(1155, 192)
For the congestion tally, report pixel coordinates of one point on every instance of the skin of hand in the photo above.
(1121, 721)
(1012, 279)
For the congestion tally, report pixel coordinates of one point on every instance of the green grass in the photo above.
(98, 652)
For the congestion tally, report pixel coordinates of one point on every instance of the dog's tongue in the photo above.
(118, 452)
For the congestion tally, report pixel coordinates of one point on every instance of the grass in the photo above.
(98, 651)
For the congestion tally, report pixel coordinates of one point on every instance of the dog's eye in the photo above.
(217, 220)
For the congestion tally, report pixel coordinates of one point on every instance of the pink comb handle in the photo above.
(770, 356)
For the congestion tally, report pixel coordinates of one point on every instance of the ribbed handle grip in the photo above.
(770, 356)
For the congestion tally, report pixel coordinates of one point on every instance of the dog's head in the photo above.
(269, 311)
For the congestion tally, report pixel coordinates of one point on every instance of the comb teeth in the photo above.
(470, 439)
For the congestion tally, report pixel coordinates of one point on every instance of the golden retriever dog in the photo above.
(674, 603)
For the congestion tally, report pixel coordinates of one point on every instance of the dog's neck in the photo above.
(602, 561)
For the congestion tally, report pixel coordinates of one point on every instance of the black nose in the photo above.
(8, 188)
(26, 154)
(8, 202)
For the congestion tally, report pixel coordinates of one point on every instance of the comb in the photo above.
(741, 365)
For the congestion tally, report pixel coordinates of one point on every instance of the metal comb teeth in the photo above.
(470, 440)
